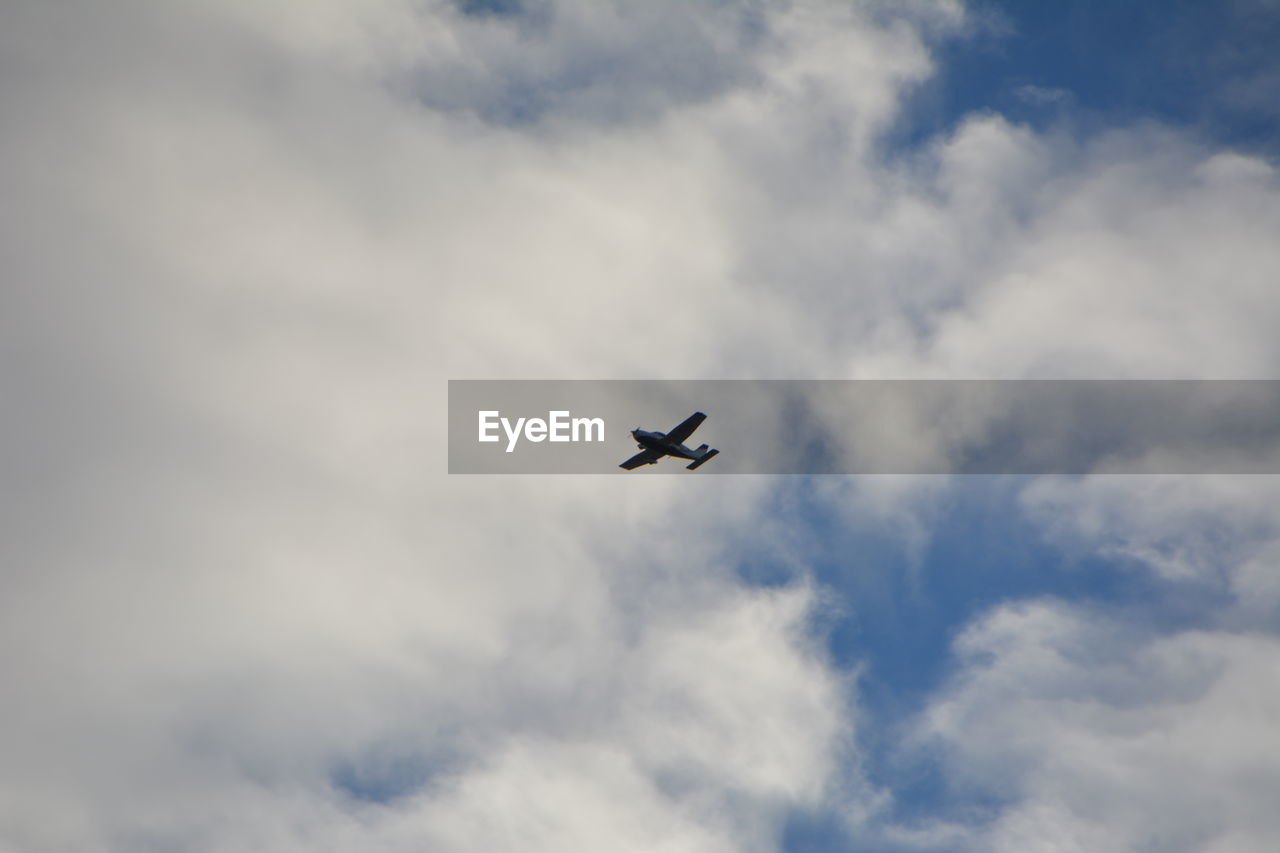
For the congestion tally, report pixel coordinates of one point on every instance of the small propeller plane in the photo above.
(655, 445)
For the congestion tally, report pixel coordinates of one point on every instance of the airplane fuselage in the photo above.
(658, 442)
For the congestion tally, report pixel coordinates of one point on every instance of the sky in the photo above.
(246, 244)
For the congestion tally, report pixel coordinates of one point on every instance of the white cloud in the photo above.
(249, 242)
(235, 574)
(1219, 535)
(1100, 738)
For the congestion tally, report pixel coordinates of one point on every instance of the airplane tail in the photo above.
(704, 455)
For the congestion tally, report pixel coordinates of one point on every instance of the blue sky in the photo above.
(243, 605)
(902, 602)
(1076, 69)
(1200, 66)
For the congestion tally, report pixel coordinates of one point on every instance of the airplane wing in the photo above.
(644, 457)
(680, 433)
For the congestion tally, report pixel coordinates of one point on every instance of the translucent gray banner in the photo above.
(870, 427)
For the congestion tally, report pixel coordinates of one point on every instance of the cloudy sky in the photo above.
(245, 244)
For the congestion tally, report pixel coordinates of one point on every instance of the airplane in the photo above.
(655, 445)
